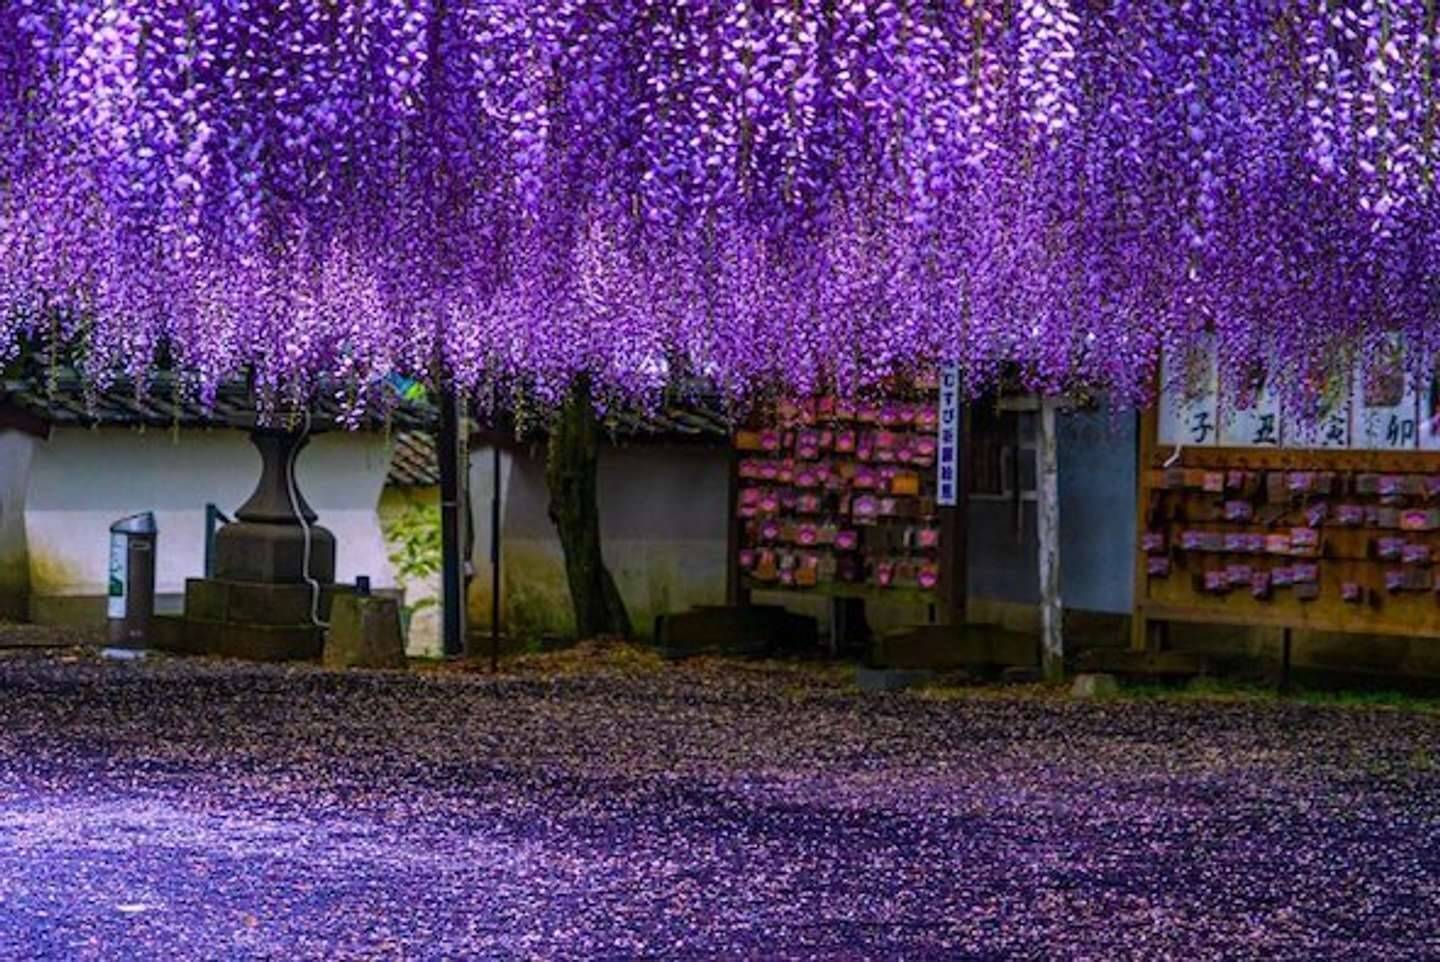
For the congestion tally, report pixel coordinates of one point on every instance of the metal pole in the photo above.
(452, 479)
(495, 559)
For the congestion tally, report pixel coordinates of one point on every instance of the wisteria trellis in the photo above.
(761, 191)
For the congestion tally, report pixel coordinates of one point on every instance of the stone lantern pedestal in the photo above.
(259, 604)
(266, 542)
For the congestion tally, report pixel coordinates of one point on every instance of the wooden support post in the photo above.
(736, 593)
(1052, 643)
(1140, 625)
(454, 474)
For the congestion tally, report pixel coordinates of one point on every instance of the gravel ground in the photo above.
(202, 810)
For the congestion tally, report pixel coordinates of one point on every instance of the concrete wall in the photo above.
(662, 520)
(16, 450)
(81, 480)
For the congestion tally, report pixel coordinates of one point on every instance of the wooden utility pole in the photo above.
(1052, 642)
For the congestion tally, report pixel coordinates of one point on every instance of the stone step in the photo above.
(364, 633)
(954, 646)
(232, 639)
(249, 602)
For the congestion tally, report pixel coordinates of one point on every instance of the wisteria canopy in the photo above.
(798, 192)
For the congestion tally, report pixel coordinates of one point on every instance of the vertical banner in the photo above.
(1252, 421)
(1430, 407)
(1328, 424)
(947, 462)
(1385, 410)
(1190, 398)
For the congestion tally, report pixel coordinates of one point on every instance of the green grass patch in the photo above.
(1221, 690)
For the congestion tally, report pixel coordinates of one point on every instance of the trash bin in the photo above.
(131, 600)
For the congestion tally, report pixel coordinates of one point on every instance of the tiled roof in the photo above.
(696, 421)
(414, 463)
(63, 400)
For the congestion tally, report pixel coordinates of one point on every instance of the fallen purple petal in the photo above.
(183, 809)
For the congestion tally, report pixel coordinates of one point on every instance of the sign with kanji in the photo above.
(1327, 425)
(1190, 398)
(947, 461)
(1386, 415)
(1253, 420)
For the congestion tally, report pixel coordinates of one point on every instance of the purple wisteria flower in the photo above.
(786, 193)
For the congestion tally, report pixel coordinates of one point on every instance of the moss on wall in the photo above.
(14, 587)
(654, 578)
(535, 599)
(52, 575)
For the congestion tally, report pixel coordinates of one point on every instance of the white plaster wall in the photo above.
(662, 526)
(422, 635)
(482, 491)
(81, 480)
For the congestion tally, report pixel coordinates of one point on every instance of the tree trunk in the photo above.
(570, 474)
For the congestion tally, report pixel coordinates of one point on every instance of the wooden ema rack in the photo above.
(1326, 540)
(838, 499)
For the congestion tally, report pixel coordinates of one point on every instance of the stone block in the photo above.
(168, 633)
(734, 630)
(954, 646)
(66, 610)
(249, 602)
(364, 633)
(230, 639)
(1176, 665)
(888, 679)
(273, 553)
(1094, 686)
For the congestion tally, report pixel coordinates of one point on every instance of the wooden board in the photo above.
(1358, 587)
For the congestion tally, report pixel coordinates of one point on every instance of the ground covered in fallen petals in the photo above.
(200, 810)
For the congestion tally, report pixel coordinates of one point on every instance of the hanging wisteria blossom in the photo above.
(760, 192)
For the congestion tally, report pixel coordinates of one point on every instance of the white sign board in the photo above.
(119, 576)
(1370, 404)
(947, 460)
(1330, 430)
(1430, 410)
(1190, 398)
(1385, 411)
(1328, 424)
(1252, 422)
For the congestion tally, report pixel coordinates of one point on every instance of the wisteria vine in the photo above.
(807, 193)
